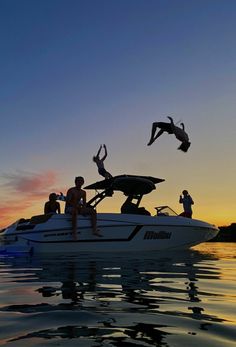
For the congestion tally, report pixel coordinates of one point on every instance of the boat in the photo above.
(133, 229)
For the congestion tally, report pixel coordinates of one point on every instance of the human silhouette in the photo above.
(187, 202)
(52, 205)
(170, 128)
(100, 162)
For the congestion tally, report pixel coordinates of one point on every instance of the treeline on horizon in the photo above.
(226, 234)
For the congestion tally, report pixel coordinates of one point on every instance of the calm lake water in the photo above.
(185, 298)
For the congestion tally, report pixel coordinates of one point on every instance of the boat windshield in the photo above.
(165, 211)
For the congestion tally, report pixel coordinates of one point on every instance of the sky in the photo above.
(79, 73)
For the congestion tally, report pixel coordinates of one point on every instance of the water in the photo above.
(159, 299)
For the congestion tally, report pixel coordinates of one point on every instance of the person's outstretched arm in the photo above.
(105, 155)
(172, 123)
(99, 151)
(182, 125)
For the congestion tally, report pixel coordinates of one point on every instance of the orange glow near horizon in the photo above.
(14, 212)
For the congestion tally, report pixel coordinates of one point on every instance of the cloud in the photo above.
(9, 211)
(35, 185)
(21, 189)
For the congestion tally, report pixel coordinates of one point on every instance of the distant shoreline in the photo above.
(226, 234)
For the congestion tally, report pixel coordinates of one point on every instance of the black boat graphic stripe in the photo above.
(131, 236)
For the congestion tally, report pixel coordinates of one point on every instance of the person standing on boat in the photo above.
(100, 163)
(76, 205)
(52, 206)
(187, 202)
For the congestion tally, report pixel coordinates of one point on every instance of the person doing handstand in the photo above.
(100, 163)
(76, 205)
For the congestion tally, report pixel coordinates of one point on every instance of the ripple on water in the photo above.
(185, 298)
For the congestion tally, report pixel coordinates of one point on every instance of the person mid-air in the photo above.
(170, 128)
(100, 163)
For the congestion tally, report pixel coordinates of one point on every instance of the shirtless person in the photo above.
(100, 163)
(170, 128)
(76, 204)
(181, 135)
(52, 205)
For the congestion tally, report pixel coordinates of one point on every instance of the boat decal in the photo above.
(153, 235)
(134, 232)
(66, 229)
(131, 236)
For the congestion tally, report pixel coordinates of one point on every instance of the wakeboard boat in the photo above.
(131, 230)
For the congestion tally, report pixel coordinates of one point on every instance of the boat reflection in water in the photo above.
(121, 301)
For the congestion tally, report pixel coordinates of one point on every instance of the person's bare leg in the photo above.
(74, 225)
(93, 215)
(154, 127)
(160, 132)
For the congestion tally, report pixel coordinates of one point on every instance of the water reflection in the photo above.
(120, 301)
(149, 334)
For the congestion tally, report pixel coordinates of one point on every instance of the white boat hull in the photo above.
(120, 233)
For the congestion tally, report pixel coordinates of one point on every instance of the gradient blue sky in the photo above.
(75, 74)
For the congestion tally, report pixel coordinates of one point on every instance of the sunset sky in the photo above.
(79, 73)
